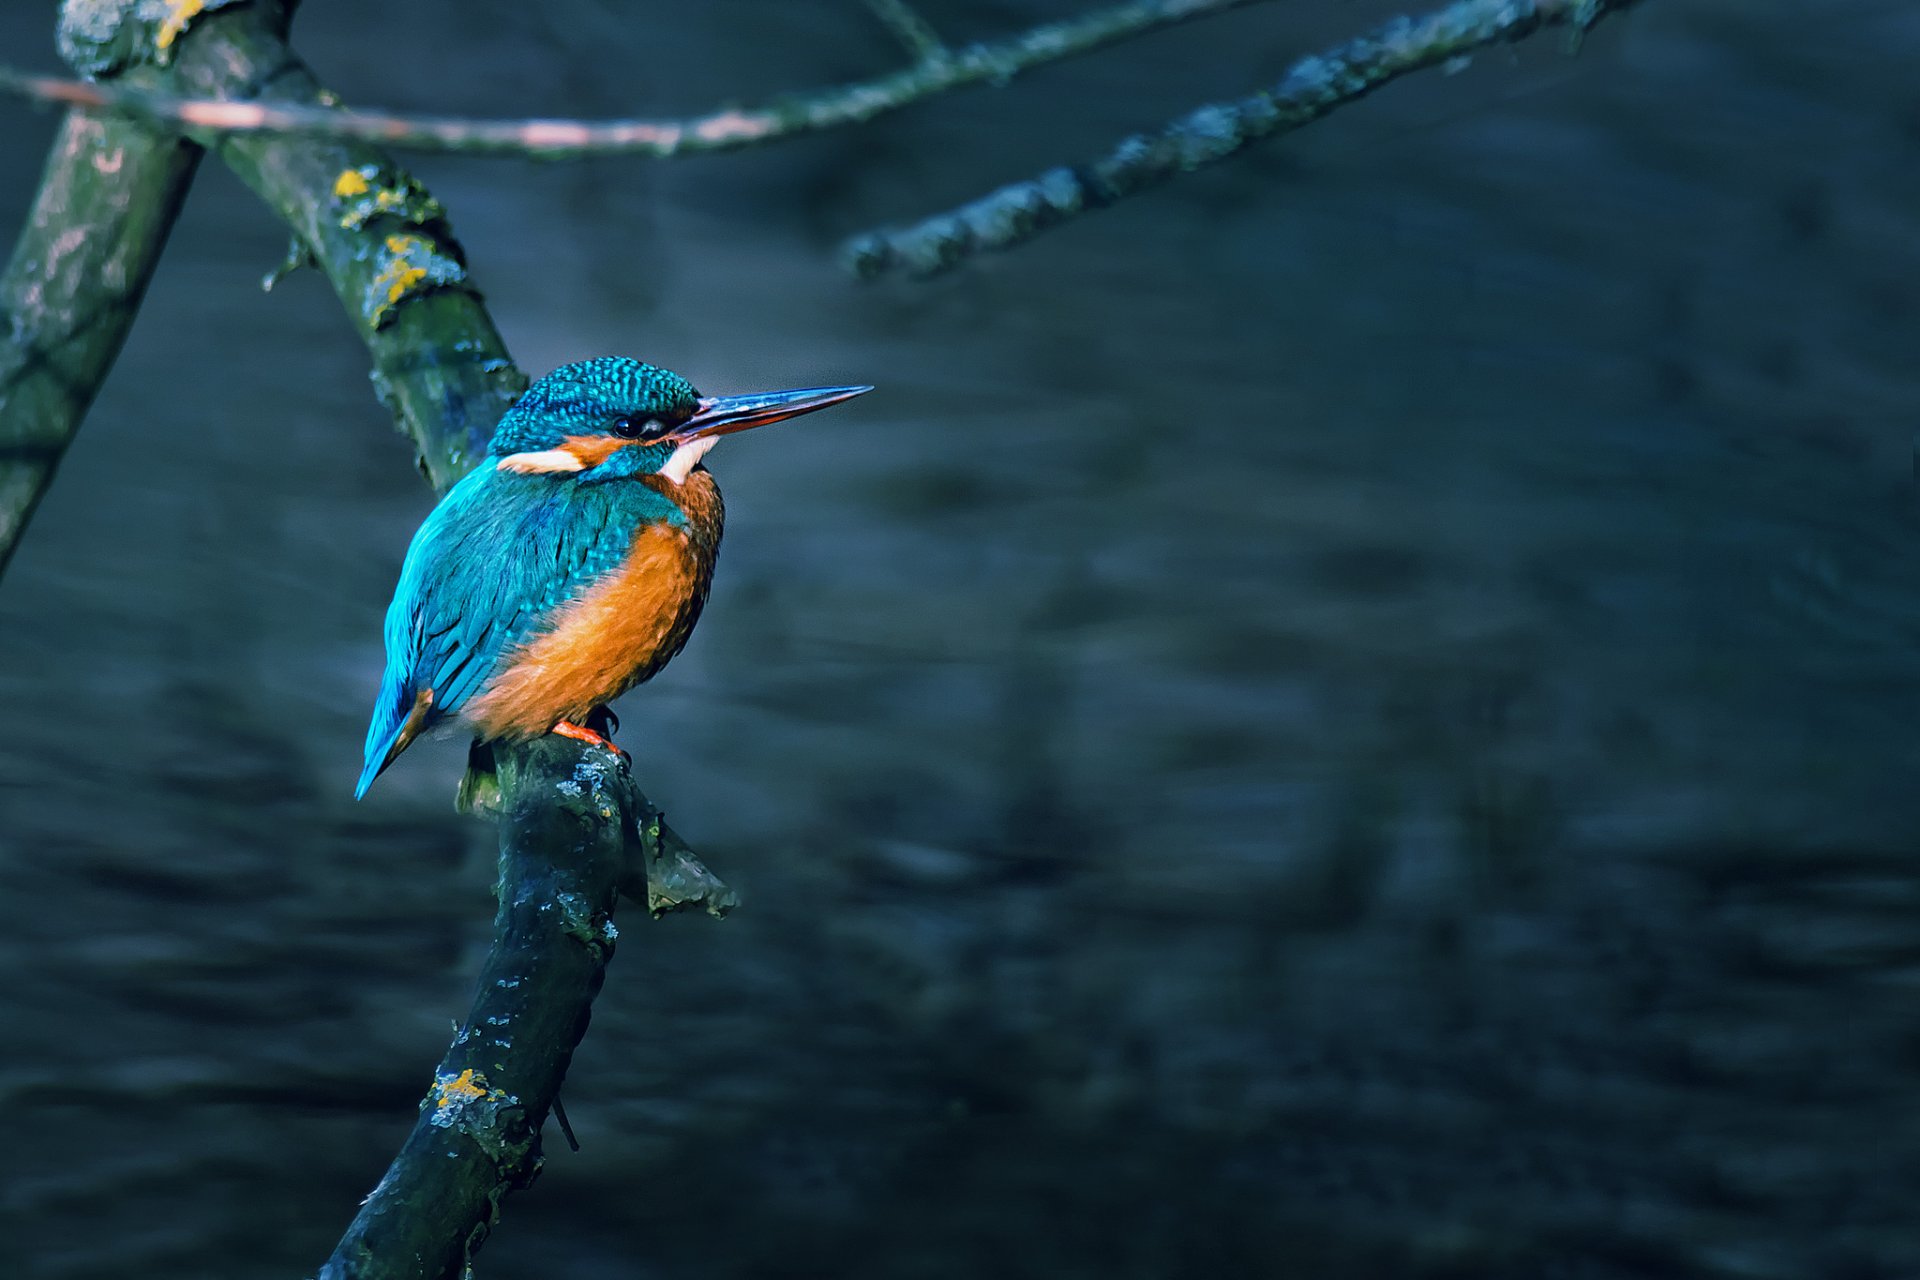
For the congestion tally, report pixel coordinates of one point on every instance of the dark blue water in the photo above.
(1353, 716)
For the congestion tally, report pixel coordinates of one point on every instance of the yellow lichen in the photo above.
(400, 275)
(408, 266)
(366, 192)
(179, 14)
(465, 1087)
(349, 184)
(386, 200)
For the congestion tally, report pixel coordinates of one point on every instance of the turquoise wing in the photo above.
(490, 564)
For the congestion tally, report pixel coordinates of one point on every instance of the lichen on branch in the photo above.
(104, 37)
(1311, 88)
(382, 241)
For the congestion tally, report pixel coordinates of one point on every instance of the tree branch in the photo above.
(205, 113)
(1311, 88)
(575, 831)
(109, 196)
(381, 240)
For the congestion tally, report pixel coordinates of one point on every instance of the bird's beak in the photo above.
(724, 415)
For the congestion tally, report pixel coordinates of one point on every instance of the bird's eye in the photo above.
(630, 426)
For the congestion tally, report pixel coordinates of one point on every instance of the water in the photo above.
(1351, 716)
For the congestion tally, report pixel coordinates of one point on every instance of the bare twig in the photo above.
(1313, 87)
(913, 32)
(724, 130)
(105, 205)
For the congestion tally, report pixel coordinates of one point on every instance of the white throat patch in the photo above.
(687, 457)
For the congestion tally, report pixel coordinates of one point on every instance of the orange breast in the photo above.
(621, 631)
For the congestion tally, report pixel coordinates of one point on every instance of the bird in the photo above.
(571, 564)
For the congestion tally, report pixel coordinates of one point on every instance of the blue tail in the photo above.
(376, 765)
(387, 736)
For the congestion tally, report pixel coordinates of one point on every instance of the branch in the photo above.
(661, 872)
(1313, 87)
(575, 831)
(106, 203)
(570, 833)
(205, 113)
(381, 240)
(562, 850)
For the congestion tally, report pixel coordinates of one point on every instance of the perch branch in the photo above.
(203, 113)
(106, 203)
(575, 831)
(1311, 88)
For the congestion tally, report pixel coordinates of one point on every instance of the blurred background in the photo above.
(1352, 716)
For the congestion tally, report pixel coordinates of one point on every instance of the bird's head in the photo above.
(614, 418)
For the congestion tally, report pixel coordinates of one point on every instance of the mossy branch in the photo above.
(101, 217)
(192, 107)
(575, 831)
(384, 243)
(1312, 87)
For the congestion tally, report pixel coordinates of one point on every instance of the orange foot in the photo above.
(568, 729)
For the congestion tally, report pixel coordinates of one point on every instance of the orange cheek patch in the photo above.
(593, 450)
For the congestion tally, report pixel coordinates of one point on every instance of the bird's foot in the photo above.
(568, 729)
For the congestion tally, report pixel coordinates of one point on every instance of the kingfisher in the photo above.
(571, 564)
